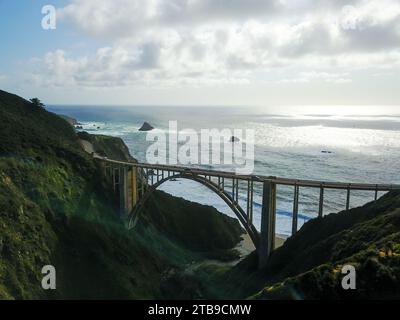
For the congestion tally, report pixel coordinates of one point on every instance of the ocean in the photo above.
(343, 144)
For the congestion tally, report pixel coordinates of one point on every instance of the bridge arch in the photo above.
(236, 208)
(264, 241)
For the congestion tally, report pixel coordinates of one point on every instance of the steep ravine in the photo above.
(55, 208)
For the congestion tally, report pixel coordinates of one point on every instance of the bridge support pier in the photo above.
(134, 187)
(267, 236)
(128, 190)
(123, 192)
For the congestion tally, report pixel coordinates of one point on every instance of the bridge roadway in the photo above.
(135, 182)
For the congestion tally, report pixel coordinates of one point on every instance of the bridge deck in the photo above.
(135, 187)
(259, 178)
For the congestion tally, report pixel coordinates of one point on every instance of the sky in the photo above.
(203, 52)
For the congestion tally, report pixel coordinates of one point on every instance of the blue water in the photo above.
(364, 148)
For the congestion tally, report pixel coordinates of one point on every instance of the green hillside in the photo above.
(308, 265)
(56, 209)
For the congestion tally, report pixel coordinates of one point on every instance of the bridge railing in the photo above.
(261, 178)
(229, 185)
(296, 183)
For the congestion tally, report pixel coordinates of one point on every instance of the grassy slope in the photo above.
(55, 209)
(112, 147)
(161, 213)
(308, 266)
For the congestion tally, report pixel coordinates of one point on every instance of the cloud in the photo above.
(116, 67)
(159, 42)
(127, 18)
(306, 77)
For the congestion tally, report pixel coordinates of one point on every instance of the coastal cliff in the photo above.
(70, 120)
(55, 208)
(309, 264)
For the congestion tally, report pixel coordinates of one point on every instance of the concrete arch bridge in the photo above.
(135, 182)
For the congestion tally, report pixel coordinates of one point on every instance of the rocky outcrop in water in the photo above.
(146, 127)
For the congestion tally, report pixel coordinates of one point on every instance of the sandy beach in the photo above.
(246, 246)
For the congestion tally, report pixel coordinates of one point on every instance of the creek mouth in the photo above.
(203, 278)
(244, 248)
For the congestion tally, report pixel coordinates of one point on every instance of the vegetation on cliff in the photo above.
(70, 120)
(161, 212)
(308, 265)
(107, 146)
(56, 209)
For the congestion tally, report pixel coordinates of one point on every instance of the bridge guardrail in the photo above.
(264, 240)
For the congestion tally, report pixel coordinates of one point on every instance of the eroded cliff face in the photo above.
(70, 120)
(56, 208)
(106, 146)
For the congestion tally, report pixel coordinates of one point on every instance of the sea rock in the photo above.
(146, 127)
